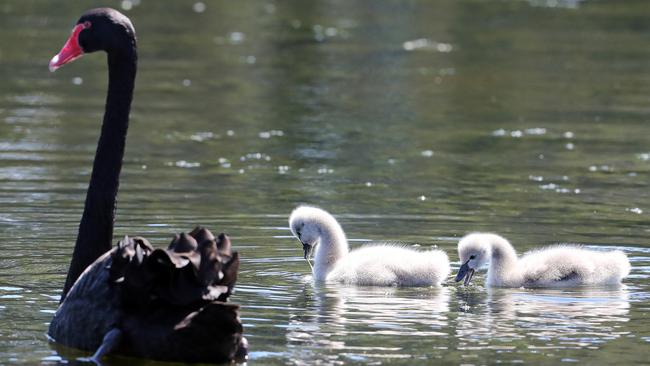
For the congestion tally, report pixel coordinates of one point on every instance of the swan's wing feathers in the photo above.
(223, 244)
(73, 324)
(183, 243)
(562, 264)
(384, 264)
(552, 249)
(210, 333)
(201, 234)
(213, 329)
(219, 266)
(544, 278)
(571, 276)
(229, 279)
(186, 273)
(174, 298)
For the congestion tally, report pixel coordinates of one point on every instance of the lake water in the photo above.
(411, 121)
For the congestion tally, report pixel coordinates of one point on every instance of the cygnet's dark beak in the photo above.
(306, 248)
(465, 272)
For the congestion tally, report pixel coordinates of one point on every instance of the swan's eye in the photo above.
(298, 232)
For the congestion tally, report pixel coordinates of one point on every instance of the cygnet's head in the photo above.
(306, 224)
(474, 251)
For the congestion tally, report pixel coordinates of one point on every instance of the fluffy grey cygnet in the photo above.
(370, 265)
(554, 266)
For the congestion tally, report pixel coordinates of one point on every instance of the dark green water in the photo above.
(413, 121)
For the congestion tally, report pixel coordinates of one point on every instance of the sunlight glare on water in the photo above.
(410, 121)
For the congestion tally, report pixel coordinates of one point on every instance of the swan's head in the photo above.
(474, 251)
(306, 224)
(97, 29)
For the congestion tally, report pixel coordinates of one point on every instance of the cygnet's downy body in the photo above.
(370, 265)
(554, 266)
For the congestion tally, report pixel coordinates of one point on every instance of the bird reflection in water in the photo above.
(332, 315)
(544, 318)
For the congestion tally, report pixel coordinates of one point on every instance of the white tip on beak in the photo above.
(53, 63)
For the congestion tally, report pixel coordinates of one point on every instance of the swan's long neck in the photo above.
(504, 270)
(333, 246)
(96, 227)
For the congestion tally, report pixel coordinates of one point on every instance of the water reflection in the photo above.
(358, 108)
(348, 321)
(545, 318)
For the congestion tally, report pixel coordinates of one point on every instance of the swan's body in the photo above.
(162, 304)
(554, 266)
(386, 265)
(370, 265)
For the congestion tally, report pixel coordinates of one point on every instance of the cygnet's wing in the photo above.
(559, 265)
(386, 265)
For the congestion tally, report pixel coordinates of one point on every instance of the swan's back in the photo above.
(568, 265)
(389, 265)
(169, 305)
(77, 323)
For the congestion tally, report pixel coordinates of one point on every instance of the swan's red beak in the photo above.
(71, 49)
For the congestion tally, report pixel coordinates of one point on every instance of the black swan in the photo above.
(164, 304)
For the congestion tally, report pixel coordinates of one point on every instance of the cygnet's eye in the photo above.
(472, 256)
(299, 229)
